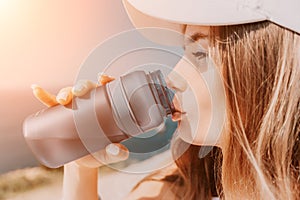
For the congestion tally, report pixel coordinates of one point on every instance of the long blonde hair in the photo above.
(260, 157)
(260, 64)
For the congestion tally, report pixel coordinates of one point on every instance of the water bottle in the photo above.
(133, 104)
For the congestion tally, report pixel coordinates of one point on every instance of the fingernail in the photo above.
(113, 149)
(62, 96)
(78, 88)
(100, 74)
(34, 86)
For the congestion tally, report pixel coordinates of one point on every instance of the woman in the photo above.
(259, 62)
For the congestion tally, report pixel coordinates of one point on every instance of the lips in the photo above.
(176, 116)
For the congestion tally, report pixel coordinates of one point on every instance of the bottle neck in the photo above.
(163, 95)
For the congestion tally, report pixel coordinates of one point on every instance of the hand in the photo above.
(113, 152)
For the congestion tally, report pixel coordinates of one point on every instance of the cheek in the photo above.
(198, 101)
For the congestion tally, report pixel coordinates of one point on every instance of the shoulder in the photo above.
(152, 187)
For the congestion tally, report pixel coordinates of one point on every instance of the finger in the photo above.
(116, 152)
(64, 96)
(44, 96)
(82, 87)
(111, 154)
(103, 78)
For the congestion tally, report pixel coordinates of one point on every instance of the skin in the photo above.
(80, 176)
(194, 127)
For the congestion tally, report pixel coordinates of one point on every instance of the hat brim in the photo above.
(205, 12)
(221, 12)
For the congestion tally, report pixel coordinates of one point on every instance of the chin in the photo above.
(196, 133)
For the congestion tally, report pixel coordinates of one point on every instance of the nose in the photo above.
(175, 80)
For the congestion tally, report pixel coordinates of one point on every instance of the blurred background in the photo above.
(44, 43)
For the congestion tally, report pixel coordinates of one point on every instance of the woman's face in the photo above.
(199, 91)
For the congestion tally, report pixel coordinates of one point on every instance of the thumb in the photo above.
(44, 96)
(113, 153)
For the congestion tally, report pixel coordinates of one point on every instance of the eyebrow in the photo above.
(197, 36)
(193, 38)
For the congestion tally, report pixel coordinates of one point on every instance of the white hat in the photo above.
(222, 12)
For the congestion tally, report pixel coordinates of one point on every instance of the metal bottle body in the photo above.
(110, 113)
(53, 137)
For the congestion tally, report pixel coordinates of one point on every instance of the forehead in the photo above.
(191, 30)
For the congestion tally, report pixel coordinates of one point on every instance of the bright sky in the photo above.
(45, 42)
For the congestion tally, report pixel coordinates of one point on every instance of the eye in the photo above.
(199, 54)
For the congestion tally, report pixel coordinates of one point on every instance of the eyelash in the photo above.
(199, 54)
